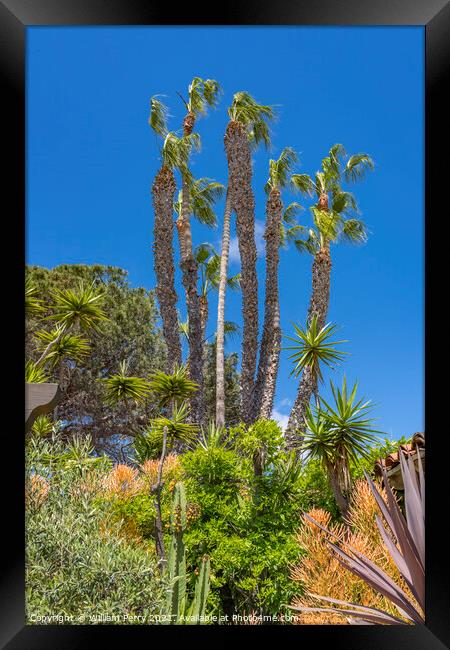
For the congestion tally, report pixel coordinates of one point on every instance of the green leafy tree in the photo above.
(132, 335)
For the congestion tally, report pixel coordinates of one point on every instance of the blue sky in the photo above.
(91, 159)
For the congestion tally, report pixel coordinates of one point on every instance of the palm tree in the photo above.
(331, 224)
(337, 436)
(312, 347)
(163, 189)
(201, 95)
(74, 309)
(248, 126)
(203, 193)
(208, 261)
(269, 355)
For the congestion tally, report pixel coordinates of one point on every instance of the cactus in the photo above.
(177, 555)
(177, 607)
(198, 606)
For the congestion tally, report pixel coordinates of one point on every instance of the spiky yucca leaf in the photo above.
(176, 426)
(121, 387)
(65, 345)
(33, 305)
(174, 388)
(313, 347)
(35, 374)
(80, 307)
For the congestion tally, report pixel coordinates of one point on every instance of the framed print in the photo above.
(230, 226)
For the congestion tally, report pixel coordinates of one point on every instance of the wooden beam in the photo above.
(39, 399)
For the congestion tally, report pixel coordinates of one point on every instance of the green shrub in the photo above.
(79, 568)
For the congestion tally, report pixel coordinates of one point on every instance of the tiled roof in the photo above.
(392, 460)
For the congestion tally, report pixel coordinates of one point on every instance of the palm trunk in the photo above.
(163, 190)
(320, 298)
(189, 270)
(156, 490)
(269, 355)
(341, 499)
(240, 176)
(204, 312)
(296, 422)
(220, 337)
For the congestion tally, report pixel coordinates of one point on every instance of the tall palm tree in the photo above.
(312, 347)
(269, 355)
(332, 223)
(337, 436)
(248, 126)
(208, 261)
(173, 154)
(202, 94)
(203, 193)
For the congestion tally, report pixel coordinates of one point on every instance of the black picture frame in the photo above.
(15, 17)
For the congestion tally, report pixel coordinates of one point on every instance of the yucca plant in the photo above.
(78, 309)
(173, 389)
(312, 347)
(248, 126)
(339, 435)
(404, 539)
(35, 374)
(121, 387)
(33, 305)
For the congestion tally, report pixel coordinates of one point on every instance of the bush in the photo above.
(79, 567)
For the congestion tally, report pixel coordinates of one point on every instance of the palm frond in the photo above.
(204, 193)
(280, 169)
(158, 116)
(254, 117)
(304, 184)
(123, 388)
(202, 93)
(357, 166)
(354, 231)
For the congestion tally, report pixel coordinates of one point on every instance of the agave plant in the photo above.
(404, 539)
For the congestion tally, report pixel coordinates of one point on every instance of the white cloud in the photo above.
(281, 418)
(285, 402)
(235, 258)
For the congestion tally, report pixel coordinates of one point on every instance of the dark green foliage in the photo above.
(246, 523)
(131, 335)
